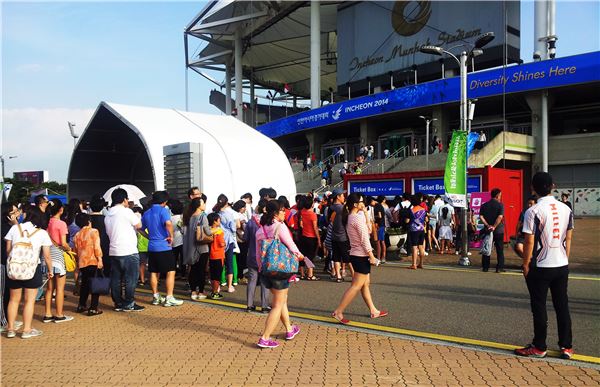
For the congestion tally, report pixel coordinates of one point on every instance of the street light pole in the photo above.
(2, 160)
(464, 260)
(462, 62)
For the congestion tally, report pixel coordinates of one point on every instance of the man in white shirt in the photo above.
(121, 225)
(548, 228)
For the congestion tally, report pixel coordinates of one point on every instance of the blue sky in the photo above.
(59, 60)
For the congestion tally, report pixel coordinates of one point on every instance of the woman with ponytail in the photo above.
(355, 218)
(272, 223)
(229, 224)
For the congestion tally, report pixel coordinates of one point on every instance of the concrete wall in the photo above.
(574, 149)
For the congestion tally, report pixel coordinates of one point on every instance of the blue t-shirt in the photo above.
(154, 221)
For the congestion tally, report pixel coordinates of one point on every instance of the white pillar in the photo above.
(544, 120)
(552, 29)
(238, 75)
(228, 87)
(315, 54)
(540, 30)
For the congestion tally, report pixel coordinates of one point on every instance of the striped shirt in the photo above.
(358, 235)
(548, 221)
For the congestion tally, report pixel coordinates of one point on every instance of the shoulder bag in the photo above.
(277, 261)
(201, 237)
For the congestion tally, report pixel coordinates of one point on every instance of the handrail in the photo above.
(370, 167)
(316, 167)
(391, 156)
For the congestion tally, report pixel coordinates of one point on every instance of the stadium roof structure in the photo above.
(124, 144)
(276, 41)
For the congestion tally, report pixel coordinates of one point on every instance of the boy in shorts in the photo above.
(217, 255)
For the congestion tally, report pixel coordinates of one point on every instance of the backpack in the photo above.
(22, 262)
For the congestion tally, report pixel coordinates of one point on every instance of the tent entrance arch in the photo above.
(109, 153)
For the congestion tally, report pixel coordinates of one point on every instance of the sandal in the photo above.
(94, 312)
(382, 313)
(339, 280)
(313, 278)
(412, 267)
(340, 320)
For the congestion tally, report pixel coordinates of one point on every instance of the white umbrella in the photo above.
(134, 194)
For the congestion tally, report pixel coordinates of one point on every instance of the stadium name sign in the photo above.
(399, 50)
(513, 79)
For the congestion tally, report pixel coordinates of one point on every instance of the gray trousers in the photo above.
(250, 290)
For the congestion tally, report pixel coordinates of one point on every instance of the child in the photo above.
(217, 255)
(445, 222)
(142, 245)
(86, 244)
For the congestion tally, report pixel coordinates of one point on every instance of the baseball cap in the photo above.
(337, 191)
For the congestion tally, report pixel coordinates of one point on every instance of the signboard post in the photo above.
(476, 201)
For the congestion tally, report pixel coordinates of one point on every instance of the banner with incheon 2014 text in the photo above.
(454, 175)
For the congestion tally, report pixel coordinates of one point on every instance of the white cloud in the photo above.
(29, 68)
(40, 139)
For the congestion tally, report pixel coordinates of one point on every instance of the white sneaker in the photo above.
(18, 325)
(59, 320)
(30, 334)
(426, 253)
(11, 334)
(231, 289)
(194, 297)
(172, 301)
(157, 300)
(201, 296)
(403, 251)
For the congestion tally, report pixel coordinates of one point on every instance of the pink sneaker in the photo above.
(294, 278)
(267, 343)
(291, 334)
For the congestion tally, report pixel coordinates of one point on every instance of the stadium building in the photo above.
(362, 67)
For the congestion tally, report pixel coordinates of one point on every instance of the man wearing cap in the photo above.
(341, 246)
(548, 228)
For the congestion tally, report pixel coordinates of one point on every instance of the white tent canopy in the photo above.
(124, 145)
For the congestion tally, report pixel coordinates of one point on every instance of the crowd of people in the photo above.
(229, 245)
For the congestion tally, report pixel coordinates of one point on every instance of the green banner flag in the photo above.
(454, 176)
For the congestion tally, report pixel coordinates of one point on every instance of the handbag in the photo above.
(201, 237)
(277, 261)
(99, 284)
(70, 261)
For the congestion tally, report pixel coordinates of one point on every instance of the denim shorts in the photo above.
(271, 283)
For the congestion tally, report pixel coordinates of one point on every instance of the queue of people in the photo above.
(271, 246)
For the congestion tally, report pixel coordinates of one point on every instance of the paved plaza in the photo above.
(447, 326)
(204, 344)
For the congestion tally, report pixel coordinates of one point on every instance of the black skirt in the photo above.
(32, 283)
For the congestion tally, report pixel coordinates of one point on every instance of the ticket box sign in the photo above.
(435, 186)
(376, 188)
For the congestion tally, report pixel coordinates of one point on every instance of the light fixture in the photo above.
(484, 39)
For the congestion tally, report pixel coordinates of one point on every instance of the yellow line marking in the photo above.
(571, 277)
(408, 332)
